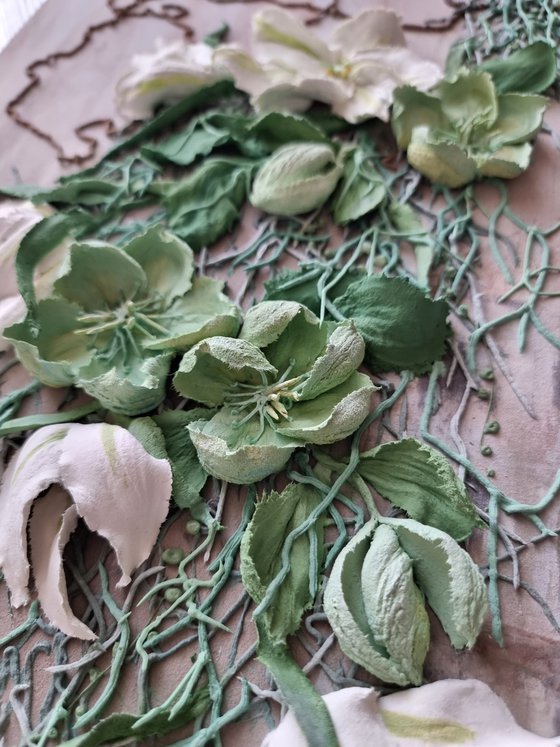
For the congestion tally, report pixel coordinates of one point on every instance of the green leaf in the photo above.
(32, 422)
(215, 38)
(119, 726)
(189, 476)
(529, 70)
(361, 189)
(403, 328)
(77, 192)
(100, 277)
(203, 312)
(301, 697)
(409, 225)
(275, 129)
(394, 605)
(275, 516)
(418, 479)
(216, 365)
(333, 415)
(207, 203)
(149, 434)
(447, 575)
(240, 453)
(519, 119)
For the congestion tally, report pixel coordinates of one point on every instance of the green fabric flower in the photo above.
(116, 316)
(464, 130)
(286, 381)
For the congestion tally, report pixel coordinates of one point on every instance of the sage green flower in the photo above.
(464, 130)
(286, 381)
(116, 316)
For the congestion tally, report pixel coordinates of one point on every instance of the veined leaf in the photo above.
(529, 70)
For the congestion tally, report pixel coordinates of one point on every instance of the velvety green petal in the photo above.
(470, 100)
(419, 480)
(507, 162)
(100, 276)
(330, 416)
(204, 312)
(448, 576)
(290, 334)
(394, 605)
(132, 392)
(402, 327)
(214, 367)
(411, 109)
(54, 356)
(166, 260)
(342, 356)
(520, 117)
(225, 449)
(529, 70)
(441, 163)
(361, 190)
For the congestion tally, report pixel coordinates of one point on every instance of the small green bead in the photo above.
(486, 451)
(380, 261)
(172, 556)
(491, 473)
(487, 374)
(463, 311)
(192, 527)
(80, 710)
(94, 673)
(483, 394)
(492, 427)
(172, 595)
(53, 733)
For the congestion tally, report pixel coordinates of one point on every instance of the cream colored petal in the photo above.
(249, 75)
(277, 33)
(33, 469)
(12, 310)
(377, 27)
(120, 490)
(53, 520)
(299, 96)
(16, 219)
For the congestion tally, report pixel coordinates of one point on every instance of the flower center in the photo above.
(269, 402)
(340, 70)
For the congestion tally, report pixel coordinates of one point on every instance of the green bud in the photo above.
(491, 473)
(172, 556)
(192, 527)
(483, 394)
(486, 451)
(492, 427)
(53, 733)
(487, 374)
(463, 311)
(172, 595)
(295, 179)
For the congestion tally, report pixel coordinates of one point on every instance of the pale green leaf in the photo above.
(361, 189)
(519, 119)
(448, 577)
(529, 70)
(150, 435)
(275, 516)
(402, 327)
(418, 479)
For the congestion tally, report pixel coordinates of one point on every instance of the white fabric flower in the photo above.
(165, 76)
(355, 71)
(99, 472)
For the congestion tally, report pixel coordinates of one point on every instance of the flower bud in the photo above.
(297, 178)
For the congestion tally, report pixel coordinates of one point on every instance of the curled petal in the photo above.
(121, 491)
(377, 27)
(53, 521)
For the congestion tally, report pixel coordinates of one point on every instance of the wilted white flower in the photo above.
(355, 71)
(165, 76)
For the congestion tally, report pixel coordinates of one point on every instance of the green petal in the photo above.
(132, 392)
(520, 117)
(342, 356)
(345, 608)
(506, 163)
(447, 575)
(418, 479)
(402, 327)
(56, 353)
(166, 260)
(441, 163)
(361, 190)
(412, 109)
(226, 451)
(203, 312)
(333, 415)
(470, 100)
(212, 367)
(394, 605)
(100, 276)
(290, 333)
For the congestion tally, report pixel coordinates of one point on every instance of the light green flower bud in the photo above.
(297, 178)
